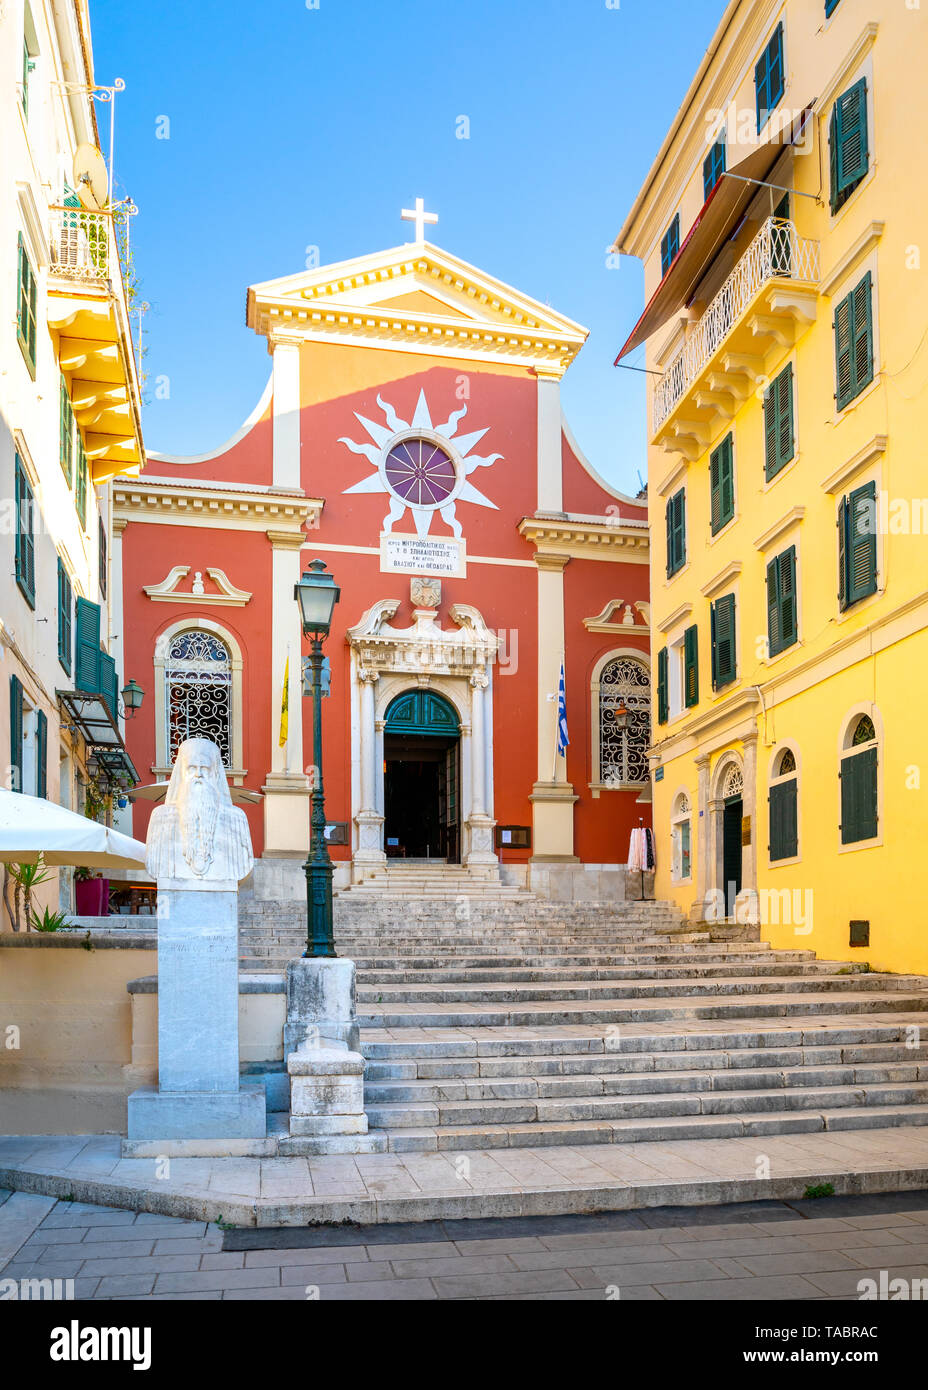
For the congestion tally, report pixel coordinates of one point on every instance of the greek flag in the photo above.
(562, 738)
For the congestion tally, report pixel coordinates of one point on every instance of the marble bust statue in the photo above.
(197, 833)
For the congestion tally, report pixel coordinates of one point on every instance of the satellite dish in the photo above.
(90, 181)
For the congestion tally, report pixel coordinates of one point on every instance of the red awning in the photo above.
(720, 215)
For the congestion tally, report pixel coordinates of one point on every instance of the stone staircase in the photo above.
(519, 1023)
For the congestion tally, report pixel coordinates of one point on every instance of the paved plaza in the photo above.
(806, 1250)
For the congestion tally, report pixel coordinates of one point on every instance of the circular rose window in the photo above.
(420, 472)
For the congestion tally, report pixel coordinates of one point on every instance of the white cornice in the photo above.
(862, 459)
(679, 615)
(227, 506)
(779, 528)
(853, 256)
(722, 579)
(865, 41)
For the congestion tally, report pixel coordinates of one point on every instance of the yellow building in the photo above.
(781, 229)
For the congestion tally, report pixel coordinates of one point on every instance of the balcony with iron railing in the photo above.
(88, 314)
(765, 304)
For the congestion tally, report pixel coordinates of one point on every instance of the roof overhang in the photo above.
(720, 216)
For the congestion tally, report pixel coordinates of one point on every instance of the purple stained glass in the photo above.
(420, 473)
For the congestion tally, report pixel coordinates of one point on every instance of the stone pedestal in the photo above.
(325, 1067)
(199, 1095)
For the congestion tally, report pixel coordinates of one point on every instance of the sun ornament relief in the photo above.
(422, 468)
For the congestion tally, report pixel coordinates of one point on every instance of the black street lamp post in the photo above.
(317, 594)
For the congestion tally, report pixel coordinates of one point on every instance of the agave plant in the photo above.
(24, 878)
(49, 921)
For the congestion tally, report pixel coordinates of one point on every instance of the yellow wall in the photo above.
(873, 657)
(84, 1042)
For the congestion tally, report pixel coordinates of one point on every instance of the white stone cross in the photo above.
(420, 217)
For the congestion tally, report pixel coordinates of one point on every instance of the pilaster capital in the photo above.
(479, 681)
(546, 561)
(366, 676)
(286, 540)
(280, 339)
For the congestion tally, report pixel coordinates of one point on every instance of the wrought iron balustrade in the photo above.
(81, 244)
(777, 252)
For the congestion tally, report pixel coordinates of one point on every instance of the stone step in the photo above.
(597, 991)
(695, 1039)
(652, 1064)
(597, 1012)
(640, 1106)
(652, 1129)
(590, 1083)
(570, 972)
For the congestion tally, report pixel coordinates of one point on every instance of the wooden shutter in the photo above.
(762, 88)
(80, 487)
(16, 734)
(784, 823)
(859, 796)
(779, 429)
(843, 513)
(723, 640)
(25, 534)
(863, 334)
(87, 654)
(850, 138)
(691, 667)
(41, 753)
(66, 433)
(109, 684)
(786, 577)
(676, 531)
(722, 484)
(860, 551)
(844, 365)
(64, 617)
(663, 708)
(774, 643)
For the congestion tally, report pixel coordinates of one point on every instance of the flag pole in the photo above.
(557, 715)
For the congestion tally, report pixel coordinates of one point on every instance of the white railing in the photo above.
(81, 244)
(776, 252)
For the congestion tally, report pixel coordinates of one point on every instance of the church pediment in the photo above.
(420, 298)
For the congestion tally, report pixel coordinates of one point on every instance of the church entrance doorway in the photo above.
(421, 748)
(732, 813)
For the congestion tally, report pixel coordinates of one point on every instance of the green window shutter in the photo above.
(768, 77)
(843, 515)
(863, 333)
(663, 707)
(859, 796)
(670, 245)
(722, 484)
(713, 167)
(16, 734)
(849, 156)
(41, 753)
(87, 654)
(789, 624)
(854, 342)
(774, 644)
(675, 514)
(25, 534)
(101, 557)
(65, 603)
(844, 362)
(784, 822)
(109, 684)
(830, 7)
(723, 640)
(80, 487)
(691, 667)
(860, 547)
(26, 307)
(66, 434)
(779, 427)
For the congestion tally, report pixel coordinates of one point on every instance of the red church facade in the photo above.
(411, 437)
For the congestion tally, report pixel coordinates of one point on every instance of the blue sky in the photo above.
(293, 127)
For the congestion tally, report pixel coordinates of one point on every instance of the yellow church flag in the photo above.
(285, 706)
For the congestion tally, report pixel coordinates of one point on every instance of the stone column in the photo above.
(286, 789)
(749, 809)
(552, 795)
(479, 822)
(286, 409)
(368, 820)
(701, 836)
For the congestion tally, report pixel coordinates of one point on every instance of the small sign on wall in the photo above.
(441, 556)
(513, 837)
(336, 833)
(745, 830)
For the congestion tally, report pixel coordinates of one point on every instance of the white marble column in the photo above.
(286, 410)
(368, 820)
(479, 823)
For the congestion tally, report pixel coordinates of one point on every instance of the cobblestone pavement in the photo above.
(808, 1250)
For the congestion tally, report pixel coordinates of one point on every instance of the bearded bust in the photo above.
(198, 833)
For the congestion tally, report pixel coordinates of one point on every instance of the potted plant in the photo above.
(91, 893)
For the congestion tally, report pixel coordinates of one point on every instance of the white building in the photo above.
(69, 419)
